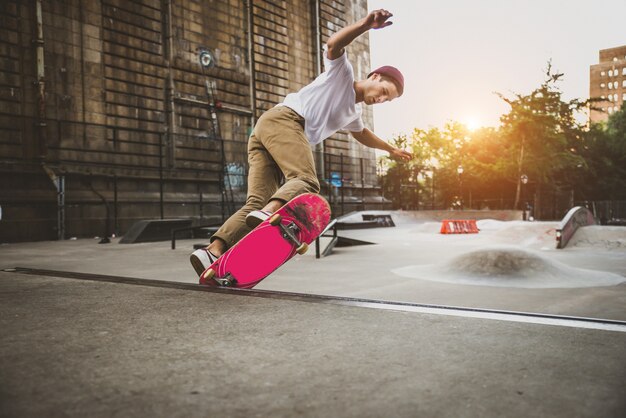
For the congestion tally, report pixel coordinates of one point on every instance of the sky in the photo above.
(454, 54)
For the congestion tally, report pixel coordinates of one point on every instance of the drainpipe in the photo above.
(82, 68)
(318, 37)
(168, 52)
(59, 185)
(40, 149)
(41, 84)
(105, 238)
(319, 148)
(250, 33)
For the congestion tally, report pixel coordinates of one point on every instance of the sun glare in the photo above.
(472, 123)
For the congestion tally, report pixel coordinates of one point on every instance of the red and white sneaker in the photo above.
(201, 259)
(254, 218)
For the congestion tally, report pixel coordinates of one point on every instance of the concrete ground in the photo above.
(75, 347)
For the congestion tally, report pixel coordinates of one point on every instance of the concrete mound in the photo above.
(502, 263)
(509, 267)
(596, 236)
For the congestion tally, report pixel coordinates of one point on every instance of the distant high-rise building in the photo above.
(607, 81)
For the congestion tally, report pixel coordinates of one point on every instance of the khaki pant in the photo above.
(277, 145)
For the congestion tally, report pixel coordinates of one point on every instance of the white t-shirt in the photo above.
(328, 103)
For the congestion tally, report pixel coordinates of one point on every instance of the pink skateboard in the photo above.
(271, 244)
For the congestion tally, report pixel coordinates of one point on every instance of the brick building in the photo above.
(113, 111)
(607, 81)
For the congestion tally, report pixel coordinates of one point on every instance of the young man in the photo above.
(283, 136)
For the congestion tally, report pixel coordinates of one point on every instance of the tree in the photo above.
(486, 165)
(542, 136)
(604, 151)
(616, 131)
(436, 153)
(539, 137)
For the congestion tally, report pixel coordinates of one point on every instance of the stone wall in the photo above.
(106, 110)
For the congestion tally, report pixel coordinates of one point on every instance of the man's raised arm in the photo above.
(376, 19)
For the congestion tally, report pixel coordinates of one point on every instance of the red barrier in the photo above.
(465, 226)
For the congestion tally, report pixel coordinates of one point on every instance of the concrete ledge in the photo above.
(440, 215)
(152, 230)
(577, 217)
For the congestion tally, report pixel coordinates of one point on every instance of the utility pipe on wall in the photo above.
(170, 89)
(319, 148)
(250, 34)
(41, 82)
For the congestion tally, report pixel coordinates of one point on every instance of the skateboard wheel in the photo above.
(209, 274)
(303, 248)
(275, 219)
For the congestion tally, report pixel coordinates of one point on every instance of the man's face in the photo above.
(379, 89)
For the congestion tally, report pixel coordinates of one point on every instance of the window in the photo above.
(614, 58)
(624, 97)
(602, 85)
(610, 73)
(624, 71)
(610, 86)
(602, 73)
(624, 83)
(610, 110)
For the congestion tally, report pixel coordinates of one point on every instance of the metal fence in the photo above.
(102, 178)
(87, 179)
(607, 212)
(351, 183)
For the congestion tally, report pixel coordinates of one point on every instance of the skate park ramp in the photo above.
(148, 341)
(536, 235)
(522, 258)
(510, 267)
(601, 237)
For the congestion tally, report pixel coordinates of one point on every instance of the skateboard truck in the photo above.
(289, 233)
(227, 281)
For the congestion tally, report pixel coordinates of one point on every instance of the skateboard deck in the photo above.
(271, 244)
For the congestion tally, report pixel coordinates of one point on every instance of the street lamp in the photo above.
(459, 170)
(429, 173)
(524, 179)
(382, 184)
(417, 186)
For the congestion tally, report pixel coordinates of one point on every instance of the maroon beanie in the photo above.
(393, 73)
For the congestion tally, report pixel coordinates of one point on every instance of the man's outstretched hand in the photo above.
(378, 19)
(400, 155)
